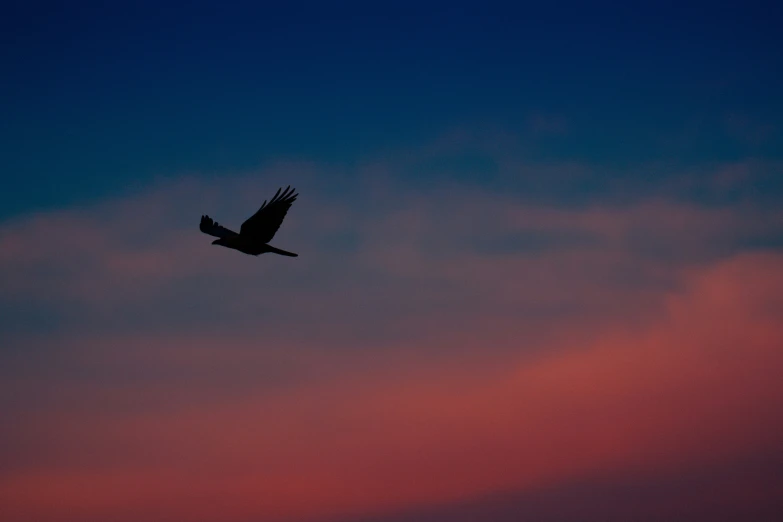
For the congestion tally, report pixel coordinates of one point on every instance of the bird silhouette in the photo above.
(257, 230)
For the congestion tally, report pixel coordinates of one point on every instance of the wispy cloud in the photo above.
(430, 346)
(404, 431)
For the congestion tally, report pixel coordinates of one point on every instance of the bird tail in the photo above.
(281, 252)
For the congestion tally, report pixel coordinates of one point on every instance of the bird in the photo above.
(257, 230)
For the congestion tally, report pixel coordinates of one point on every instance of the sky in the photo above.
(540, 269)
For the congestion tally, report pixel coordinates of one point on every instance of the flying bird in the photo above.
(258, 230)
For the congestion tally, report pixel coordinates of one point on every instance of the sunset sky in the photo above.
(540, 271)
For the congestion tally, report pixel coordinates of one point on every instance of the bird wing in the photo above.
(263, 225)
(214, 229)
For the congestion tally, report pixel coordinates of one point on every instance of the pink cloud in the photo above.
(486, 370)
(698, 385)
(414, 266)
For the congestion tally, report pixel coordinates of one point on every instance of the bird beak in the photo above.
(216, 242)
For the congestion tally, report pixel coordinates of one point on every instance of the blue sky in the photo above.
(102, 98)
(539, 273)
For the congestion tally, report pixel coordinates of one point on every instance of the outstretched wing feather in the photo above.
(263, 225)
(213, 228)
